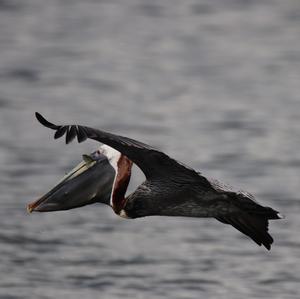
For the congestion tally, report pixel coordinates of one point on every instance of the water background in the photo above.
(215, 84)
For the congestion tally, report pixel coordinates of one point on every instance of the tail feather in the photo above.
(265, 212)
(254, 226)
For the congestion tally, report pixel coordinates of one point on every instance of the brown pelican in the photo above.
(170, 188)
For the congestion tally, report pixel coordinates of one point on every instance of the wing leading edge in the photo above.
(150, 160)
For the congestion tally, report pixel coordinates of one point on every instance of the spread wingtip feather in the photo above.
(70, 131)
(45, 122)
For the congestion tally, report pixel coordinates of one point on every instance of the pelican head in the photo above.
(89, 182)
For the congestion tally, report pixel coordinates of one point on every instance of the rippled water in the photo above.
(213, 83)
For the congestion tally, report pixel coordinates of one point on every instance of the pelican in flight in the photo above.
(170, 188)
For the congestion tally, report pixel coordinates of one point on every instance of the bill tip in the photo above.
(29, 208)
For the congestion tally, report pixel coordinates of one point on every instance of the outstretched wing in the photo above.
(151, 161)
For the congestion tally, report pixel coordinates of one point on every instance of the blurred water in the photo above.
(213, 83)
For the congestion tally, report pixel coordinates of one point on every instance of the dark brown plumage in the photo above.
(172, 189)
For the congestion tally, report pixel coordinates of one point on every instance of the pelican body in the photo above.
(170, 188)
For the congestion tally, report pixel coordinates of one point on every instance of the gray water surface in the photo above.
(215, 84)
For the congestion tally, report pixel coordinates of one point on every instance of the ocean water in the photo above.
(215, 84)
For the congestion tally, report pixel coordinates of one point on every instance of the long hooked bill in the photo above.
(89, 182)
